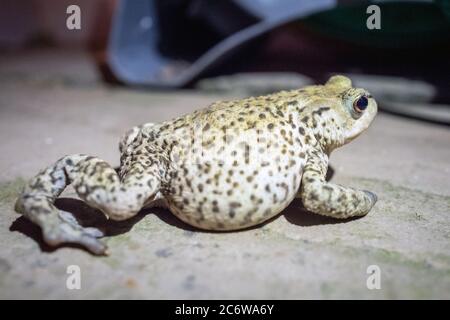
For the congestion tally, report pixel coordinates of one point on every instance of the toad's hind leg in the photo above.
(95, 182)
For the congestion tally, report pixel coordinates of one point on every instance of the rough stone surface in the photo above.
(51, 104)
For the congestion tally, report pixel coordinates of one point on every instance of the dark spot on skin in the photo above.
(270, 126)
(301, 130)
(206, 127)
(313, 196)
(235, 205)
(320, 110)
(307, 139)
(262, 116)
(274, 198)
(247, 153)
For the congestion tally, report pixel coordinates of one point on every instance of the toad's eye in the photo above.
(360, 104)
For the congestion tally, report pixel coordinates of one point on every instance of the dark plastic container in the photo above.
(163, 43)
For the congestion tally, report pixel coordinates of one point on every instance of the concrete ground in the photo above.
(52, 103)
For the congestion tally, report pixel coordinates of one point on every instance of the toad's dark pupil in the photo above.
(362, 103)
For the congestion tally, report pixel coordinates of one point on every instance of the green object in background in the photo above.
(403, 24)
(445, 7)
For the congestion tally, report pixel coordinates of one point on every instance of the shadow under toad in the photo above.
(87, 216)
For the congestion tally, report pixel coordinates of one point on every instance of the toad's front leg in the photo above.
(95, 182)
(328, 199)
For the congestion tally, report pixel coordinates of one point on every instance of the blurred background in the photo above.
(253, 47)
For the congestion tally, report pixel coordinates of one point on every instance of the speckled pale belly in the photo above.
(235, 191)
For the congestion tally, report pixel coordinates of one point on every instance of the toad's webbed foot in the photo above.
(95, 182)
(64, 230)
